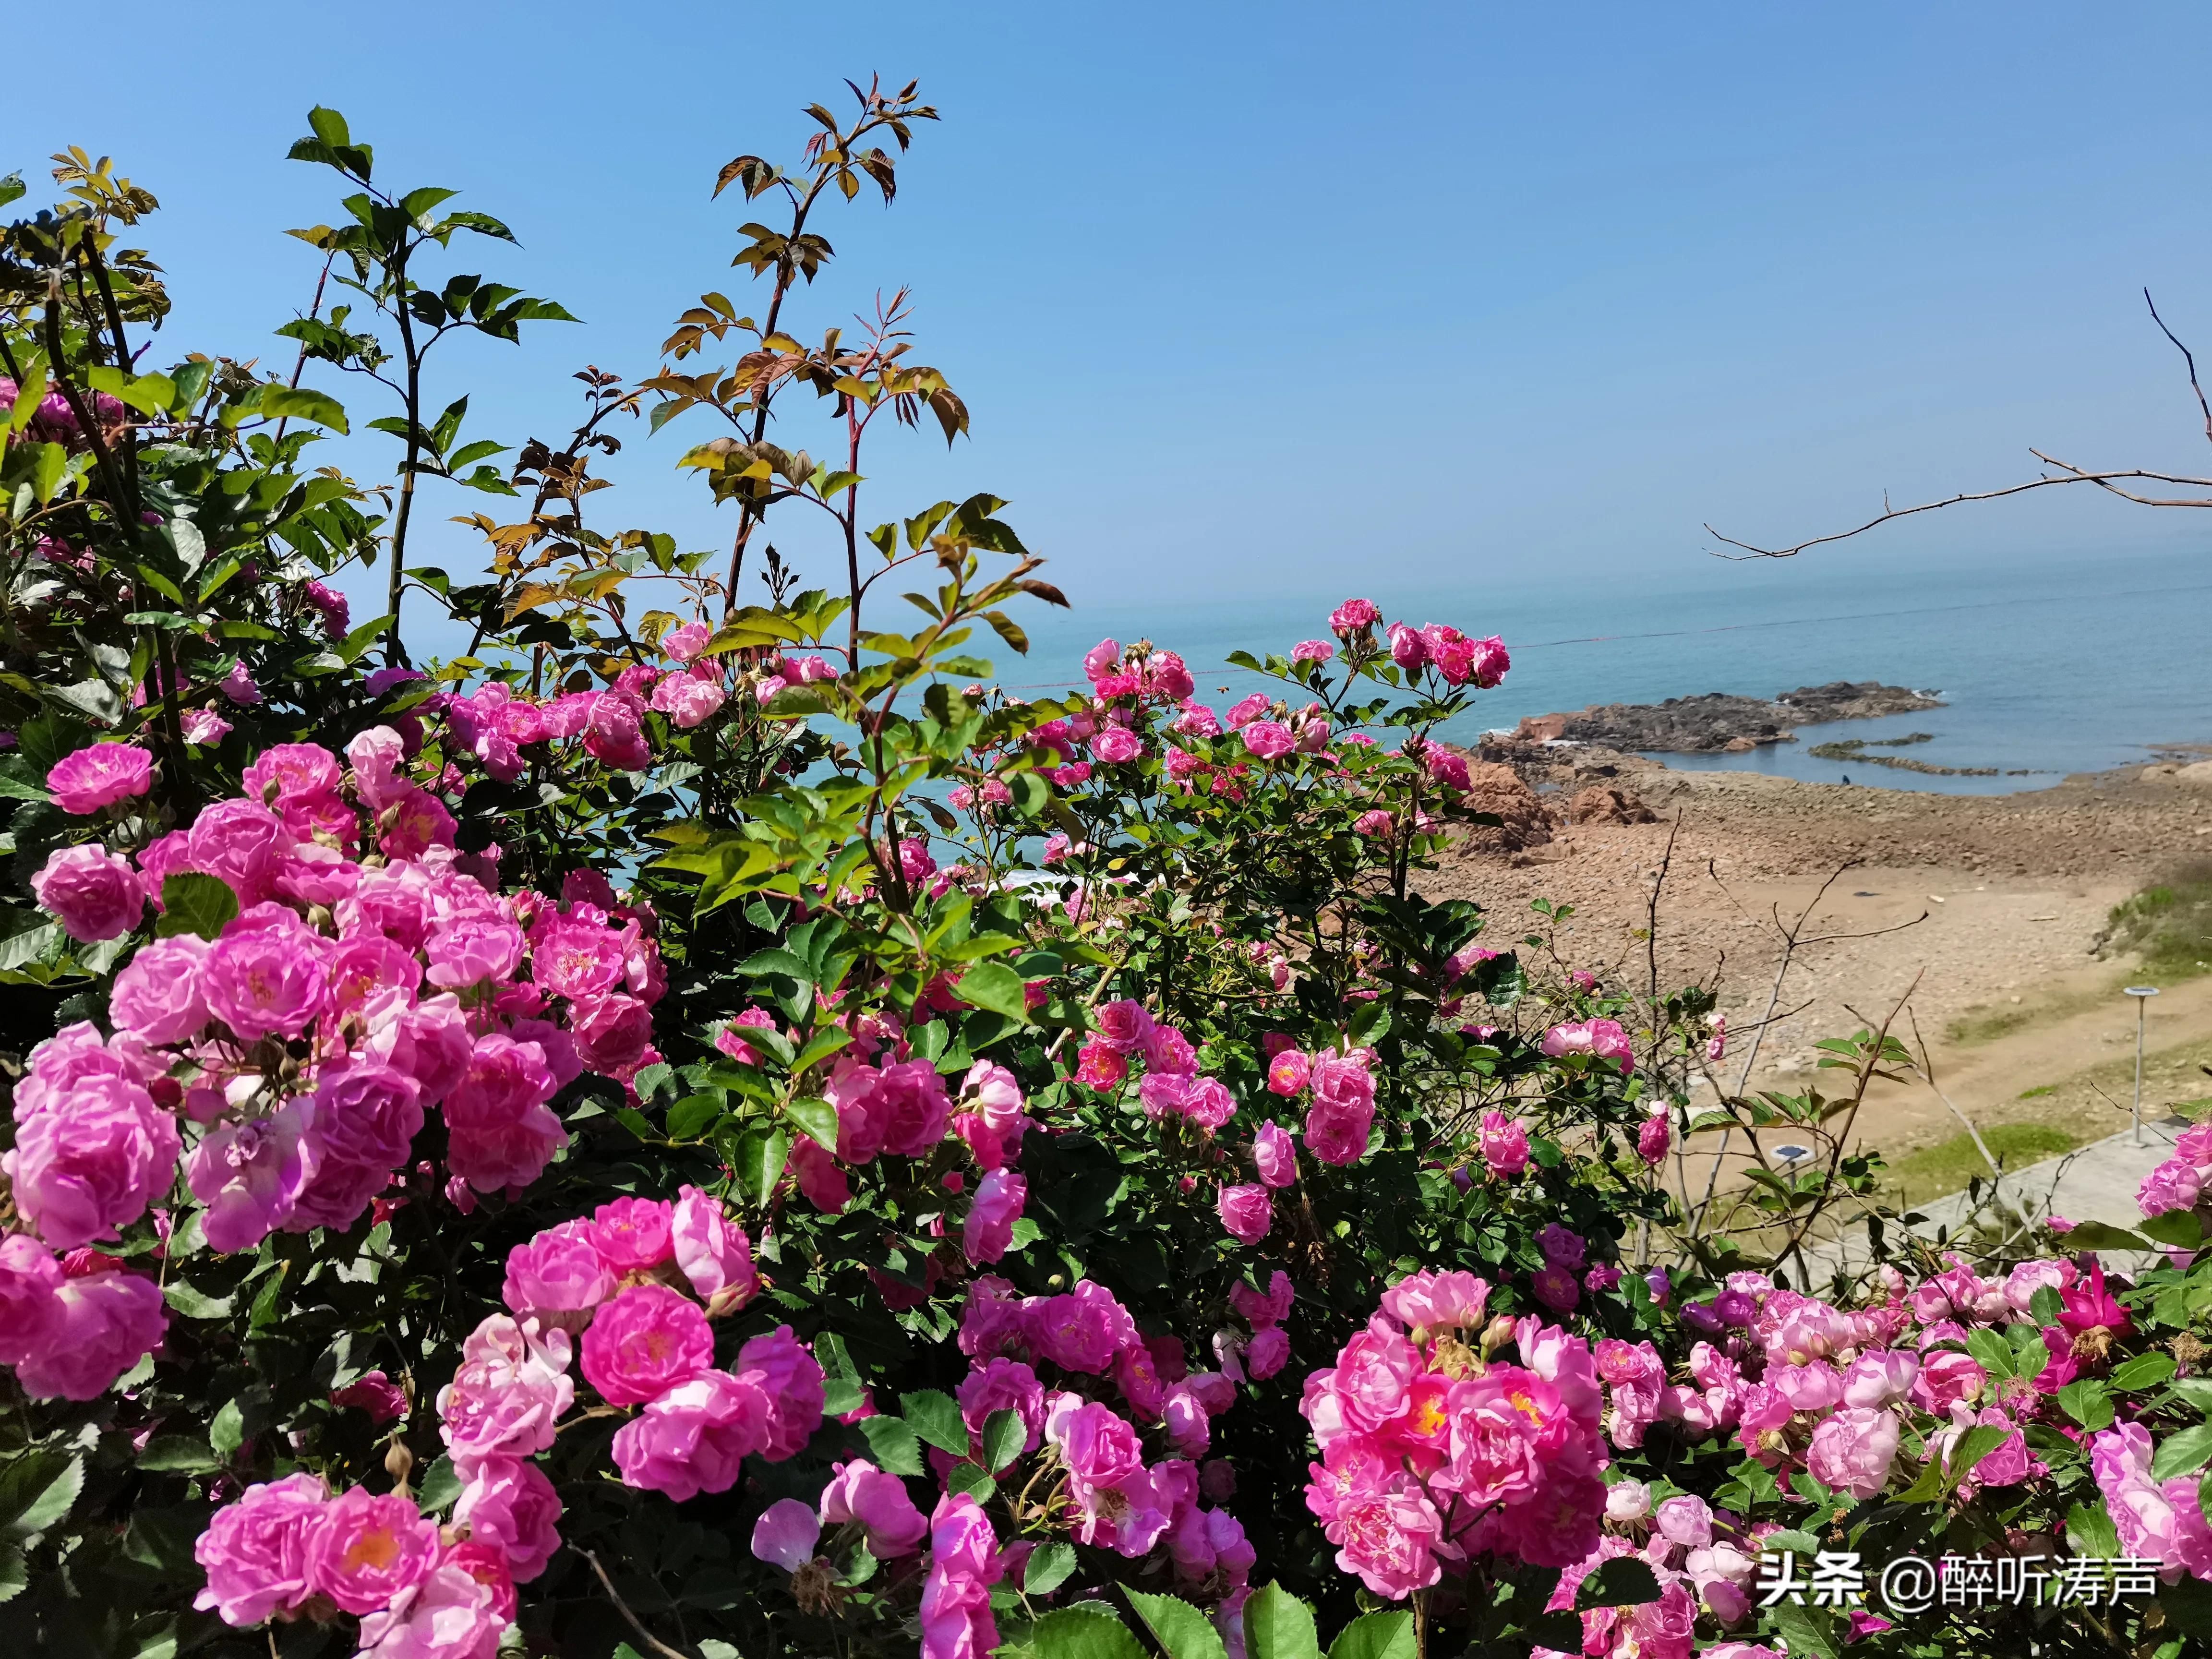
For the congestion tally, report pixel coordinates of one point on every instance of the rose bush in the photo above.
(713, 1127)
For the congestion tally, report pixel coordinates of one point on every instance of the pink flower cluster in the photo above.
(71, 1326)
(1696, 1553)
(421, 1591)
(1340, 1087)
(1601, 1039)
(306, 1044)
(1435, 1452)
(1457, 658)
(1123, 1032)
(2179, 1182)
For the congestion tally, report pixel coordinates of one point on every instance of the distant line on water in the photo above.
(1743, 627)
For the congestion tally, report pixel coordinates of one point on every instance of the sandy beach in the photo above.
(1993, 903)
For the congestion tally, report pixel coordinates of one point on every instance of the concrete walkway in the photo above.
(2096, 1183)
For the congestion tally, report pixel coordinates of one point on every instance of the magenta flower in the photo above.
(696, 1437)
(1247, 1212)
(712, 1251)
(1352, 615)
(990, 1228)
(860, 1491)
(1003, 1384)
(373, 1392)
(1852, 1450)
(1409, 647)
(781, 1365)
(1434, 1301)
(93, 1161)
(1602, 1038)
(95, 893)
(1081, 1330)
(249, 1174)
(1116, 745)
(366, 1550)
(643, 1343)
(254, 1551)
(1504, 1145)
(502, 1134)
(86, 780)
(508, 1502)
(104, 1323)
(1653, 1137)
(268, 976)
(30, 1283)
(613, 735)
(557, 1278)
(1269, 739)
(472, 950)
(1312, 651)
(632, 1234)
(509, 1393)
(366, 1115)
(1274, 1155)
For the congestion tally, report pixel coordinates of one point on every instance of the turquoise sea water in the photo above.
(2051, 666)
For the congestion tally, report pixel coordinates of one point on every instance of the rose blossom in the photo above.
(103, 1324)
(1247, 1212)
(254, 1551)
(93, 1161)
(249, 1174)
(860, 1491)
(509, 1502)
(990, 1228)
(557, 1277)
(454, 1612)
(366, 1550)
(375, 1394)
(83, 781)
(156, 997)
(95, 893)
(1853, 1451)
(643, 1343)
(784, 1370)
(696, 1437)
(712, 1251)
(267, 975)
(1504, 1145)
(1274, 1155)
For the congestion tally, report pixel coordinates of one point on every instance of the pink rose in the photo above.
(85, 780)
(632, 1234)
(685, 641)
(1115, 744)
(509, 1502)
(689, 700)
(92, 1163)
(696, 1437)
(236, 839)
(1434, 1301)
(473, 950)
(502, 1134)
(30, 1283)
(375, 1394)
(1342, 1115)
(613, 735)
(508, 1394)
(1504, 1145)
(643, 1343)
(1288, 1072)
(365, 1118)
(779, 1364)
(1274, 1155)
(1269, 739)
(1491, 663)
(1312, 651)
(1387, 1536)
(1243, 712)
(1247, 1212)
(249, 1174)
(1083, 1330)
(368, 1550)
(1408, 648)
(453, 1613)
(1853, 1449)
(860, 1491)
(267, 975)
(1002, 1384)
(1352, 615)
(1653, 1137)
(95, 893)
(1603, 1038)
(712, 1251)
(990, 1228)
(1947, 1377)
(557, 1277)
(255, 1550)
(104, 1323)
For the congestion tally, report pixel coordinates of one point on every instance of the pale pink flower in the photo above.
(787, 1533)
(1437, 1301)
(508, 1502)
(451, 1612)
(92, 1163)
(1312, 651)
(95, 893)
(557, 1277)
(1274, 1155)
(696, 1437)
(712, 1251)
(249, 1174)
(1853, 1449)
(686, 641)
(1247, 1212)
(1602, 1038)
(860, 1491)
(204, 727)
(1269, 739)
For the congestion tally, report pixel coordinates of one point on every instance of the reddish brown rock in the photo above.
(1497, 789)
(1599, 805)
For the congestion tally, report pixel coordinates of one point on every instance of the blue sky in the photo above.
(1287, 298)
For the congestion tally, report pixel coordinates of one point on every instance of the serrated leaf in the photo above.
(760, 1162)
(1376, 1636)
(36, 1492)
(13, 1576)
(227, 1433)
(693, 1115)
(818, 1120)
(1048, 1568)
(994, 985)
(1278, 1625)
(1089, 1630)
(193, 901)
(2090, 1530)
(1184, 1630)
(935, 1416)
(2182, 1453)
(1005, 1435)
(892, 1444)
(192, 1304)
(2144, 1371)
(441, 1485)
(1622, 1582)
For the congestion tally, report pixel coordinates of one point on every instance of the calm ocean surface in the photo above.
(2051, 666)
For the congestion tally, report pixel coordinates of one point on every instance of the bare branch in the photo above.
(2188, 357)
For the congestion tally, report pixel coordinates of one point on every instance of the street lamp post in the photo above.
(2142, 994)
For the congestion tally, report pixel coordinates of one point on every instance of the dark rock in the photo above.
(1717, 722)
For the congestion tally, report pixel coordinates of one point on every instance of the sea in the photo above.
(2047, 666)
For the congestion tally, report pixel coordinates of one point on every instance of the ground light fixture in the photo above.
(2142, 994)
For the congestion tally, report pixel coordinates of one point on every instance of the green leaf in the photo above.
(1992, 1352)
(304, 404)
(2087, 1402)
(994, 985)
(2182, 1453)
(2144, 1371)
(2096, 1236)
(1089, 1630)
(441, 1485)
(818, 1120)
(2178, 1228)
(1005, 1434)
(1179, 1627)
(1622, 1582)
(893, 1444)
(1808, 1630)
(2091, 1531)
(1974, 1446)
(177, 1454)
(935, 1417)
(691, 1117)
(192, 1304)
(227, 1433)
(760, 1160)
(971, 1480)
(1048, 1568)
(13, 1577)
(1375, 1636)
(36, 1492)
(193, 901)
(1278, 1625)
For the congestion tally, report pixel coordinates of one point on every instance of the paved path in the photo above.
(2097, 1182)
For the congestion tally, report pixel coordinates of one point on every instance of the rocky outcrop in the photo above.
(1720, 722)
(1600, 805)
(1498, 789)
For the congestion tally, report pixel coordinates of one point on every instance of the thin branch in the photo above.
(2188, 357)
(622, 1607)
